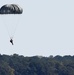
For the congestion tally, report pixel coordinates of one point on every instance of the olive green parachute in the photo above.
(11, 9)
(10, 15)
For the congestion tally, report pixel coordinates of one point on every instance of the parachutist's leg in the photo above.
(12, 43)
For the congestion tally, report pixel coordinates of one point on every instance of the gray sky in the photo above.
(46, 28)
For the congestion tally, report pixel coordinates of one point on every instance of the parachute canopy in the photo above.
(11, 9)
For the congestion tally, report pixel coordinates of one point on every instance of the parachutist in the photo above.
(11, 40)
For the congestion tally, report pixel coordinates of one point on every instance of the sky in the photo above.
(45, 28)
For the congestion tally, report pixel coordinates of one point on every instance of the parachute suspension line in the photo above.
(12, 33)
(6, 28)
(16, 26)
(15, 30)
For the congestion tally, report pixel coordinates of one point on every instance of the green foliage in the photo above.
(36, 65)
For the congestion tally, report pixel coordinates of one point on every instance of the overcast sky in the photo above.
(45, 28)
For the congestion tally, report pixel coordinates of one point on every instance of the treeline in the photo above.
(37, 65)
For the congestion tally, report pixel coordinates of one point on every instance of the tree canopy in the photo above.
(37, 65)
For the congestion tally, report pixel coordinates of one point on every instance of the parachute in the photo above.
(11, 9)
(10, 13)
